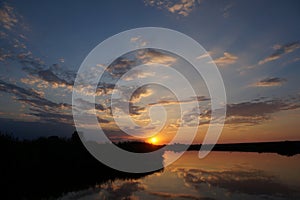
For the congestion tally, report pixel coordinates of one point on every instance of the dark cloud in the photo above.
(83, 104)
(49, 76)
(55, 76)
(52, 116)
(103, 121)
(172, 102)
(136, 110)
(260, 108)
(18, 91)
(140, 93)
(179, 7)
(256, 112)
(152, 56)
(44, 109)
(125, 63)
(125, 107)
(14, 50)
(29, 62)
(269, 82)
(246, 113)
(280, 50)
(120, 66)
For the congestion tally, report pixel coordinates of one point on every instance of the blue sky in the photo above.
(255, 45)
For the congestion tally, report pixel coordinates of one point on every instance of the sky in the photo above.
(255, 45)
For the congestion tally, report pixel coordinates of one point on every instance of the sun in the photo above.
(154, 140)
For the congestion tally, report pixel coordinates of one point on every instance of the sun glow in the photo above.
(154, 140)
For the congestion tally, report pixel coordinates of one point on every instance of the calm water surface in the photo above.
(221, 175)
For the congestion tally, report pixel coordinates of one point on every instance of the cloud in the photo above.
(205, 55)
(140, 93)
(62, 60)
(138, 41)
(124, 106)
(120, 66)
(227, 59)
(10, 24)
(270, 82)
(55, 74)
(256, 112)
(16, 51)
(245, 113)
(18, 91)
(127, 63)
(8, 17)
(174, 102)
(44, 109)
(51, 115)
(151, 56)
(280, 50)
(136, 110)
(226, 10)
(240, 180)
(137, 74)
(39, 74)
(179, 7)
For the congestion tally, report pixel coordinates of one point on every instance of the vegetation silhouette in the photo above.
(285, 148)
(49, 167)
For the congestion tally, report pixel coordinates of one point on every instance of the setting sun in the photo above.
(154, 140)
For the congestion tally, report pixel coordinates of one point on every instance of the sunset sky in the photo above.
(255, 45)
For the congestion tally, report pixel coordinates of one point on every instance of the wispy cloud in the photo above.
(174, 102)
(11, 37)
(140, 93)
(138, 41)
(55, 75)
(226, 10)
(256, 112)
(205, 55)
(248, 113)
(44, 109)
(270, 82)
(226, 59)
(280, 50)
(152, 57)
(180, 7)
(8, 17)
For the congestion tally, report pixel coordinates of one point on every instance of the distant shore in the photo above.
(286, 148)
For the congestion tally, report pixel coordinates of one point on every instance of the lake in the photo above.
(220, 175)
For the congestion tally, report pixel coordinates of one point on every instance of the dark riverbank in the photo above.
(49, 167)
(286, 148)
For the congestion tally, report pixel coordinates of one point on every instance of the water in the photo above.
(221, 175)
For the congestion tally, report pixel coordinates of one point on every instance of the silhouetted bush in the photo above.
(51, 166)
